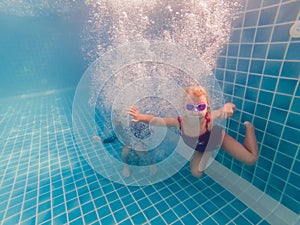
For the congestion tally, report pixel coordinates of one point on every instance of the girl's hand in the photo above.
(227, 110)
(134, 111)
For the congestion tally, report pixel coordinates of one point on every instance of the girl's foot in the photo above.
(249, 125)
(97, 138)
(126, 171)
(153, 170)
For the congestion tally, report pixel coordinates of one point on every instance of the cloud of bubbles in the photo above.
(201, 26)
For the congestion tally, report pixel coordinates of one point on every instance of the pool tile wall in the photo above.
(259, 71)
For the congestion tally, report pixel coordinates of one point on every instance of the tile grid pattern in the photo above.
(45, 180)
(259, 72)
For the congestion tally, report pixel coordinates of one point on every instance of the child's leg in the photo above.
(125, 151)
(246, 153)
(194, 165)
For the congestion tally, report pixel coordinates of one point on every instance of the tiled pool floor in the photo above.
(45, 180)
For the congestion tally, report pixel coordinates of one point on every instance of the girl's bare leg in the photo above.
(126, 171)
(246, 153)
(194, 164)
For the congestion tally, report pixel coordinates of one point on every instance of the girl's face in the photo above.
(196, 106)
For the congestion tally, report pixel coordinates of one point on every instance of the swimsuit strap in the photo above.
(179, 121)
(207, 121)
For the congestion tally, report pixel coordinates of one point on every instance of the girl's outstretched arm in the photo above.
(146, 118)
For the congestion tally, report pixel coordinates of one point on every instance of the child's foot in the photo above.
(126, 171)
(110, 139)
(248, 124)
(153, 170)
(97, 138)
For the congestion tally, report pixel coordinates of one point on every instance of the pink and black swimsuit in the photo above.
(203, 142)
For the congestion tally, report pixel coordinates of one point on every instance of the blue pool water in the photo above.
(45, 180)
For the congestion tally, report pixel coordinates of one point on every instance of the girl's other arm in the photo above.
(146, 118)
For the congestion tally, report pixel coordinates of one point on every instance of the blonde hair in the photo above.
(196, 91)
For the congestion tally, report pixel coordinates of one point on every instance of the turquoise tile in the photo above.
(267, 16)
(270, 2)
(77, 221)
(291, 134)
(291, 203)
(282, 101)
(254, 80)
(235, 36)
(220, 63)
(233, 50)
(248, 35)
(251, 19)
(169, 216)
(262, 110)
(274, 128)
(271, 141)
(239, 91)
(229, 76)
(293, 51)
(261, 173)
(265, 97)
(243, 65)
(180, 210)
(253, 4)
(92, 217)
(276, 51)
(259, 51)
(275, 193)
(231, 63)
(109, 220)
(268, 83)
(284, 160)
(139, 218)
(291, 69)
(287, 148)
(73, 214)
(249, 107)
(286, 86)
(242, 220)
(260, 123)
(280, 171)
(294, 121)
(120, 215)
(150, 212)
(132, 209)
(221, 218)
(281, 33)
(245, 50)
(263, 34)
(295, 180)
(257, 66)
(272, 67)
(288, 12)
(278, 115)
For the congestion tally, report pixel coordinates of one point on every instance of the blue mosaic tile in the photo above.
(267, 16)
(248, 35)
(288, 12)
(253, 4)
(251, 19)
(276, 51)
(281, 33)
(263, 34)
(257, 66)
